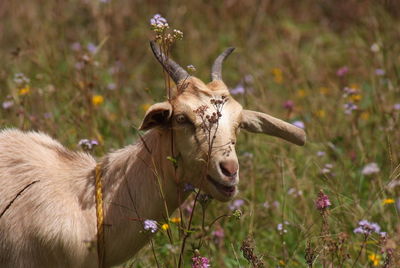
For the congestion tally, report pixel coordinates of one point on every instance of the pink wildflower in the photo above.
(288, 105)
(322, 201)
(342, 71)
(200, 262)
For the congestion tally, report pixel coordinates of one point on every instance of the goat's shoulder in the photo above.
(39, 144)
(15, 138)
(50, 210)
(26, 154)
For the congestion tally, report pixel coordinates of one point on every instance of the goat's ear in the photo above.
(262, 123)
(157, 115)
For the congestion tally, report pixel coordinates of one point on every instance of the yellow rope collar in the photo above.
(99, 216)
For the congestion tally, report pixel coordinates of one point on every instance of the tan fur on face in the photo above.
(192, 142)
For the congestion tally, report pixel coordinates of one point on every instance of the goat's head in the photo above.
(205, 119)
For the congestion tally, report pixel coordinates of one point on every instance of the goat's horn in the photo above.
(176, 72)
(217, 66)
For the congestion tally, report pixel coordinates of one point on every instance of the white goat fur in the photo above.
(56, 217)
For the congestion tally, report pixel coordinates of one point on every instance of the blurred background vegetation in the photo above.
(83, 69)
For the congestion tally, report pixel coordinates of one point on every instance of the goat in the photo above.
(53, 223)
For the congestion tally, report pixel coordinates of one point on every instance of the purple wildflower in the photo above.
(239, 89)
(342, 71)
(266, 205)
(349, 108)
(299, 124)
(76, 46)
(294, 192)
(88, 145)
(236, 204)
(269, 205)
(248, 79)
(327, 169)
(321, 153)
(288, 105)
(218, 235)
(367, 228)
(84, 142)
(159, 22)
(394, 184)
(200, 262)
(21, 79)
(79, 65)
(150, 225)
(7, 104)
(370, 169)
(92, 48)
(380, 72)
(187, 207)
(322, 201)
(218, 232)
(349, 91)
(375, 47)
(48, 115)
(396, 106)
(187, 187)
(116, 68)
(281, 227)
(111, 86)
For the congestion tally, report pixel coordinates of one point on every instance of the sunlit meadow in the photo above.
(82, 71)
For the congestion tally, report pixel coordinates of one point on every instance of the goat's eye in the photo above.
(181, 119)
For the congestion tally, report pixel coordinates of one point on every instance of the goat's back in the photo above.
(55, 215)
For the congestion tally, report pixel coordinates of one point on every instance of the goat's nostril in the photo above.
(229, 168)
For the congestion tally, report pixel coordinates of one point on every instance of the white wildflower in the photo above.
(370, 168)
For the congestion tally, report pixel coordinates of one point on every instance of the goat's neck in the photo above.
(139, 183)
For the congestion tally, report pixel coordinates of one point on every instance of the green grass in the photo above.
(308, 41)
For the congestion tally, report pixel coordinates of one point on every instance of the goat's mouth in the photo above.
(228, 191)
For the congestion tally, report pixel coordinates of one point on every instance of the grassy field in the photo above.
(82, 69)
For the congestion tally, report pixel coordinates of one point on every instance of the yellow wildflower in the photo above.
(301, 93)
(365, 115)
(145, 106)
(354, 86)
(375, 259)
(278, 75)
(97, 100)
(175, 219)
(323, 90)
(355, 97)
(320, 113)
(24, 91)
(388, 201)
(165, 226)
(282, 262)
